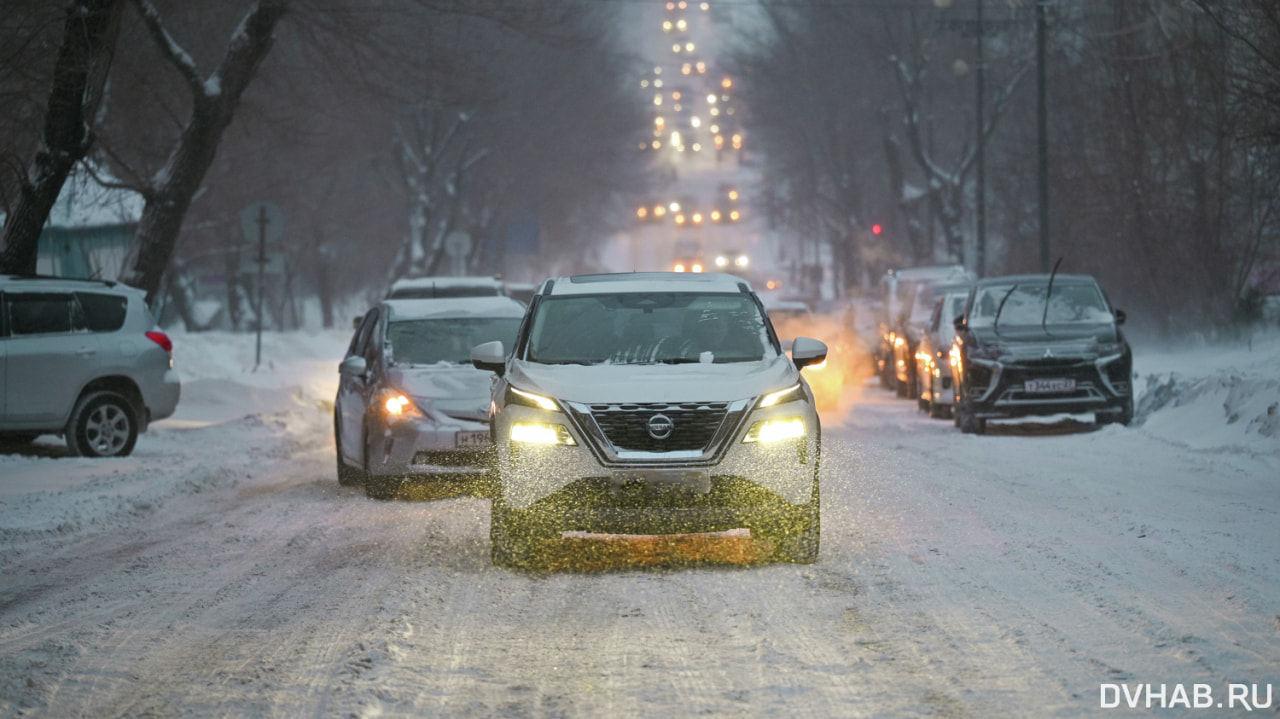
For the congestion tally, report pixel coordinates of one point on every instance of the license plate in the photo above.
(1042, 386)
(697, 481)
(471, 439)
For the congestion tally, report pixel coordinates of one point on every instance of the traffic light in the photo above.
(876, 229)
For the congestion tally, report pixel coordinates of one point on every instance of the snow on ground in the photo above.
(221, 571)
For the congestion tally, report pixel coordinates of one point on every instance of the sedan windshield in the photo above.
(429, 341)
(646, 328)
(1024, 304)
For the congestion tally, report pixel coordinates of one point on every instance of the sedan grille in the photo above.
(626, 426)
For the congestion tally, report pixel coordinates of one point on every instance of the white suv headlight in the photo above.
(773, 430)
(541, 433)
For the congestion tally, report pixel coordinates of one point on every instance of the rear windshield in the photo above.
(449, 340)
(647, 328)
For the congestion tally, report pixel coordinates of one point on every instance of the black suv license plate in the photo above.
(1049, 386)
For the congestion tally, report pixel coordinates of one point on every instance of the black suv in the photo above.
(1040, 345)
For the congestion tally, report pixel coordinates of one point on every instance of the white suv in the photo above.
(652, 403)
(82, 359)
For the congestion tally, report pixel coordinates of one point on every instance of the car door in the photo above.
(49, 356)
(353, 390)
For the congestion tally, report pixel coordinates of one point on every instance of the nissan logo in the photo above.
(660, 426)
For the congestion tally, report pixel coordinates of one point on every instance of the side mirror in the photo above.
(353, 366)
(1120, 317)
(806, 351)
(355, 322)
(490, 357)
(959, 323)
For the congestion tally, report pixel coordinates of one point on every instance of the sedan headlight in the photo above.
(773, 430)
(541, 433)
(397, 405)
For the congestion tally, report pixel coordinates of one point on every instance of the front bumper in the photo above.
(605, 487)
(998, 390)
(421, 447)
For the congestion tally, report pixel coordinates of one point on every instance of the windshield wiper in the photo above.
(1048, 294)
(995, 323)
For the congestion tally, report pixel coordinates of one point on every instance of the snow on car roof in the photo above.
(649, 282)
(1037, 279)
(449, 281)
(423, 308)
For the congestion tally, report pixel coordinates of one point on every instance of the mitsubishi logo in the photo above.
(1048, 353)
(660, 426)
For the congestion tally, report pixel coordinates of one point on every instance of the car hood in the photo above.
(1062, 340)
(699, 382)
(455, 389)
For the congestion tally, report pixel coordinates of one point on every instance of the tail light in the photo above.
(161, 339)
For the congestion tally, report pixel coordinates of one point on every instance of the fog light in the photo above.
(541, 434)
(772, 430)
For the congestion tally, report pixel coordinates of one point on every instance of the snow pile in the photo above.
(1225, 399)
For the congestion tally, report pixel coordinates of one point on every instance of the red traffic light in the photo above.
(876, 229)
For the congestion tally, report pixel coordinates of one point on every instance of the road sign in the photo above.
(262, 222)
(457, 244)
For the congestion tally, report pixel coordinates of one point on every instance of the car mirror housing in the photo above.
(806, 351)
(1120, 317)
(353, 366)
(959, 323)
(490, 356)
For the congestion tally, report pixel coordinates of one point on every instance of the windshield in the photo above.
(1024, 304)
(429, 341)
(644, 328)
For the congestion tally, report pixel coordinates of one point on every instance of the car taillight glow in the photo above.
(161, 339)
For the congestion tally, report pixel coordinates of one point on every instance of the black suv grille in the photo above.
(627, 425)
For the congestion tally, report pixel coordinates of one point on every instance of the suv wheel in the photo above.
(796, 537)
(103, 424)
(517, 535)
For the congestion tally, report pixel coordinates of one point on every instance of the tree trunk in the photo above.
(88, 43)
(214, 104)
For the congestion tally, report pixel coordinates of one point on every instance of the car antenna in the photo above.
(1048, 294)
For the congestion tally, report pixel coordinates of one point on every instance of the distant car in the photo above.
(905, 303)
(446, 286)
(1040, 345)
(82, 359)
(936, 390)
(410, 405)
(652, 403)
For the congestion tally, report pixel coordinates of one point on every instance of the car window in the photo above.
(43, 313)
(103, 312)
(1024, 304)
(429, 341)
(641, 328)
(360, 340)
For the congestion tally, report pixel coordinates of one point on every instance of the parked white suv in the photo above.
(82, 359)
(652, 403)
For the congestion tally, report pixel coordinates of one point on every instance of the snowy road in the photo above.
(221, 571)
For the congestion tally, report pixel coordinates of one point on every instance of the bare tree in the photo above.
(81, 71)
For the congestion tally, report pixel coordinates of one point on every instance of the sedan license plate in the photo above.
(1048, 386)
(471, 439)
